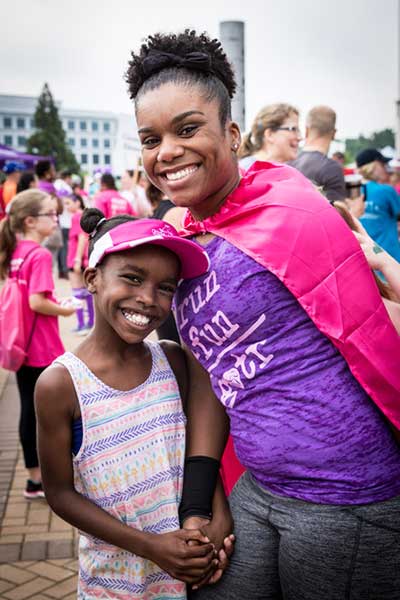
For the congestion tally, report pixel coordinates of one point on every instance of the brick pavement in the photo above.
(37, 548)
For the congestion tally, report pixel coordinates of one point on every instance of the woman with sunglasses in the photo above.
(292, 348)
(274, 136)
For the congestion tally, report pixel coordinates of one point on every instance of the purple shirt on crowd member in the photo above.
(301, 423)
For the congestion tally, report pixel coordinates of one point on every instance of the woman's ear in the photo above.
(90, 276)
(29, 223)
(234, 133)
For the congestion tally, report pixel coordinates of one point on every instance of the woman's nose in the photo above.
(169, 150)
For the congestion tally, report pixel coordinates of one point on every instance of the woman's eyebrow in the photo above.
(175, 120)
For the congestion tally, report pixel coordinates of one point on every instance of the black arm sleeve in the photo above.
(200, 479)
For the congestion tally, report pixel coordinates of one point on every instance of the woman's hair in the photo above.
(25, 181)
(384, 289)
(185, 59)
(79, 200)
(90, 223)
(269, 117)
(108, 181)
(368, 171)
(25, 204)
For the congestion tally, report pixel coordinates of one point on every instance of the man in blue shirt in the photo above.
(382, 206)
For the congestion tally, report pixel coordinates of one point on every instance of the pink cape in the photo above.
(277, 217)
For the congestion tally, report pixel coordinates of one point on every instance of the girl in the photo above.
(289, 323)
(111, 424)
(32, 218)
(76, 262)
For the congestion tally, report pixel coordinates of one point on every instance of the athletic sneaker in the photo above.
(33, 490)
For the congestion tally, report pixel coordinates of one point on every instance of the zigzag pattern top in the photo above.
(131, 464)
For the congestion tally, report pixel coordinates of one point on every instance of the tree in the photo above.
(379, 139)
(49, 138)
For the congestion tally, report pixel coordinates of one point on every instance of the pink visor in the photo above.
(194, 260)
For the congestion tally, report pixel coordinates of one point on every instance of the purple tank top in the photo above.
(301, 423)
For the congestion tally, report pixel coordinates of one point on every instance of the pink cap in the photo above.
(194, 259)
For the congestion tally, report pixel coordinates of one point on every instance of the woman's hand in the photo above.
(188, 562)
(375, 255)
(219, 530)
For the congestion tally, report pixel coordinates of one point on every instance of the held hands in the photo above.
(187, 562)
(219, 531)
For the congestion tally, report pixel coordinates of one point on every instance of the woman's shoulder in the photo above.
(177, 360)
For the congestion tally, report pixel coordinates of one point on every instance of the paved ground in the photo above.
(37, 548)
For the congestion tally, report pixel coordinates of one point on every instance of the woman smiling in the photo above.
(291, 346)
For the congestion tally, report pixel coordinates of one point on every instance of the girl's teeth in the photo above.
(180, 174)
(135, 318)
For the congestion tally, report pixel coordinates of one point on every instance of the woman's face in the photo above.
(282, 145)
(186, 151)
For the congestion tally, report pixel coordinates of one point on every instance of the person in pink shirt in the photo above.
(77, 260)
(32, 218)
(110, 201)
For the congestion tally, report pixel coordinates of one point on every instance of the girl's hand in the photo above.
(220, 533)
(188, 563)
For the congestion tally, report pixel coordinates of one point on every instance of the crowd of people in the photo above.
(303, 379)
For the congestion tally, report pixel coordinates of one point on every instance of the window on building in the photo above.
(106, 126)
(96, 159)
(32, 123)
(95, 143)
(107, 159)
(107, 143)
(95, 126)
(7, 122)
(21, 140)
(71, 142)
(84, 159)
(21, 123)
(83, 125)
(83, 142)
(8, 140)
(71, 125)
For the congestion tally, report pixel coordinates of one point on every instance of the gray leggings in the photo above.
(287, 549)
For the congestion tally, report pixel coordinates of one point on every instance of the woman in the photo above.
(267, 321)
(382, 206)
(274, 136)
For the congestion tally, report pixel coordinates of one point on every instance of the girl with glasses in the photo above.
(30, 221)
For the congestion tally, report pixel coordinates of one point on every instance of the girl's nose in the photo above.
(146, 295)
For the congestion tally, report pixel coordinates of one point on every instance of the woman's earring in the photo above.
(235, 147)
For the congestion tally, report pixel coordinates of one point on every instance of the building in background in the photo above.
(99, 140)
(231, 34)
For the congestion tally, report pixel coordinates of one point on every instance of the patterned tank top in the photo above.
(130, 463)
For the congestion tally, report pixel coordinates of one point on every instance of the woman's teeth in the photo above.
(136, 318)
(181, 174)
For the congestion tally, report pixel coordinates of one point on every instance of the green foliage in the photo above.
(49, 138)
(379, 139)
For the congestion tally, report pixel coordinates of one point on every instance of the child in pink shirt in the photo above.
(77, 259)
(33, 218)
(109, 201)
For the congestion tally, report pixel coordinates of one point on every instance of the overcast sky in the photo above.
(342, 53)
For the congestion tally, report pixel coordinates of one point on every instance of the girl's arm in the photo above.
(213, 426)
(80, 249)
(55, 401)
(40, 304)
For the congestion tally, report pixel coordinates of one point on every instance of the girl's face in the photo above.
(282, 145)
(186, 151)
(45, 222)
(71, 205)
(133, 290)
